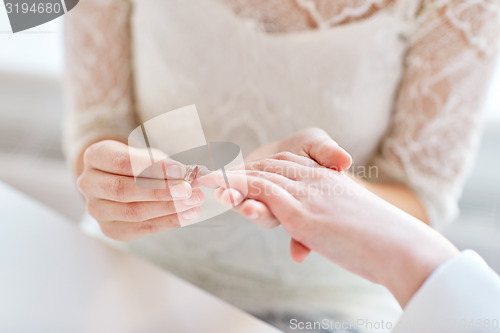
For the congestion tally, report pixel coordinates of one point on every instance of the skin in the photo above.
(317, 145)
(128, 208)
(106, 164)
(126, 211)
(331, 214)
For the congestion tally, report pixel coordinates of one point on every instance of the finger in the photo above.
(117, 158)
(218, 193)
(283, 172)
(295, 188)
(288, 169)
(254, 210)
(107, 186)
(288, 156)
(258, 213)
(229, 197)
(298, 251)
(105, 210)
(323, 149)
(126, 231)
(210, 179)
(282, 204)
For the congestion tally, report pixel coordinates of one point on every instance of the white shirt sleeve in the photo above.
(463, 295)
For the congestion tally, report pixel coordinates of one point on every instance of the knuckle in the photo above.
(169, 207)
(117, 187)
(89, 153)
(132, 212)
(81, 182)
(262, 164)
(122, 162)
(255, 165)
(168, 222)
(159, 194)
(269, 165)
(148, 227)
(110, 231)
(92, 208)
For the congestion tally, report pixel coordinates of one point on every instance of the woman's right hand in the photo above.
(127, 208)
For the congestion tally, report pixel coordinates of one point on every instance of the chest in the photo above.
(252, 87)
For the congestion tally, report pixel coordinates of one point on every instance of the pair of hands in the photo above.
(126, 211)
(322, 209)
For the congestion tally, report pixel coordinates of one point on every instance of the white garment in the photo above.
(461, 296)
(397, 83)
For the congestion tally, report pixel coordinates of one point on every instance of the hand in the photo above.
(312, 143)
(128, 208)
(330, 213)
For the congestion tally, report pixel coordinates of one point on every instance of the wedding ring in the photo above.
(191, 173)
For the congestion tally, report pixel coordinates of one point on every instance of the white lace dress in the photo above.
(399, 84)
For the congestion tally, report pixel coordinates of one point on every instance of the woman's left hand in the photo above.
(333, 215)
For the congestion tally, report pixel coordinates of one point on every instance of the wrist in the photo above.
(418, 257)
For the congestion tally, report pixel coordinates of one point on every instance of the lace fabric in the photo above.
(278, 16)
(98, 75)
(436, 115)
(295, 63)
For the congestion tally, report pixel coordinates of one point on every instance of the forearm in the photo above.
(98, 77)
(410, 253)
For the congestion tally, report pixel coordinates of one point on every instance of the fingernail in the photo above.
(253, 216)
(190, 214)
(193, 200)
(174, 172)
(179, 191)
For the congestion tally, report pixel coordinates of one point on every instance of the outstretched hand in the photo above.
(327, 212)
(319, 149)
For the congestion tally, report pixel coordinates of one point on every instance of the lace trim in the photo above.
(435, 125)
(278, 16)
(437, 116)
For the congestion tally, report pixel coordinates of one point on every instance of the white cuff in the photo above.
(462, 295)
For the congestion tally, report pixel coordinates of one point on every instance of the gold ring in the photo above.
(191, 173)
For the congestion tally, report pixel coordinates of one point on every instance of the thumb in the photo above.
(328, 153)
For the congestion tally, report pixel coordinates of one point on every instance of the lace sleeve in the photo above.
(98, 76)
(437, 118)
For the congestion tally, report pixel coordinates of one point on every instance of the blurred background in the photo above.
(31, 108)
